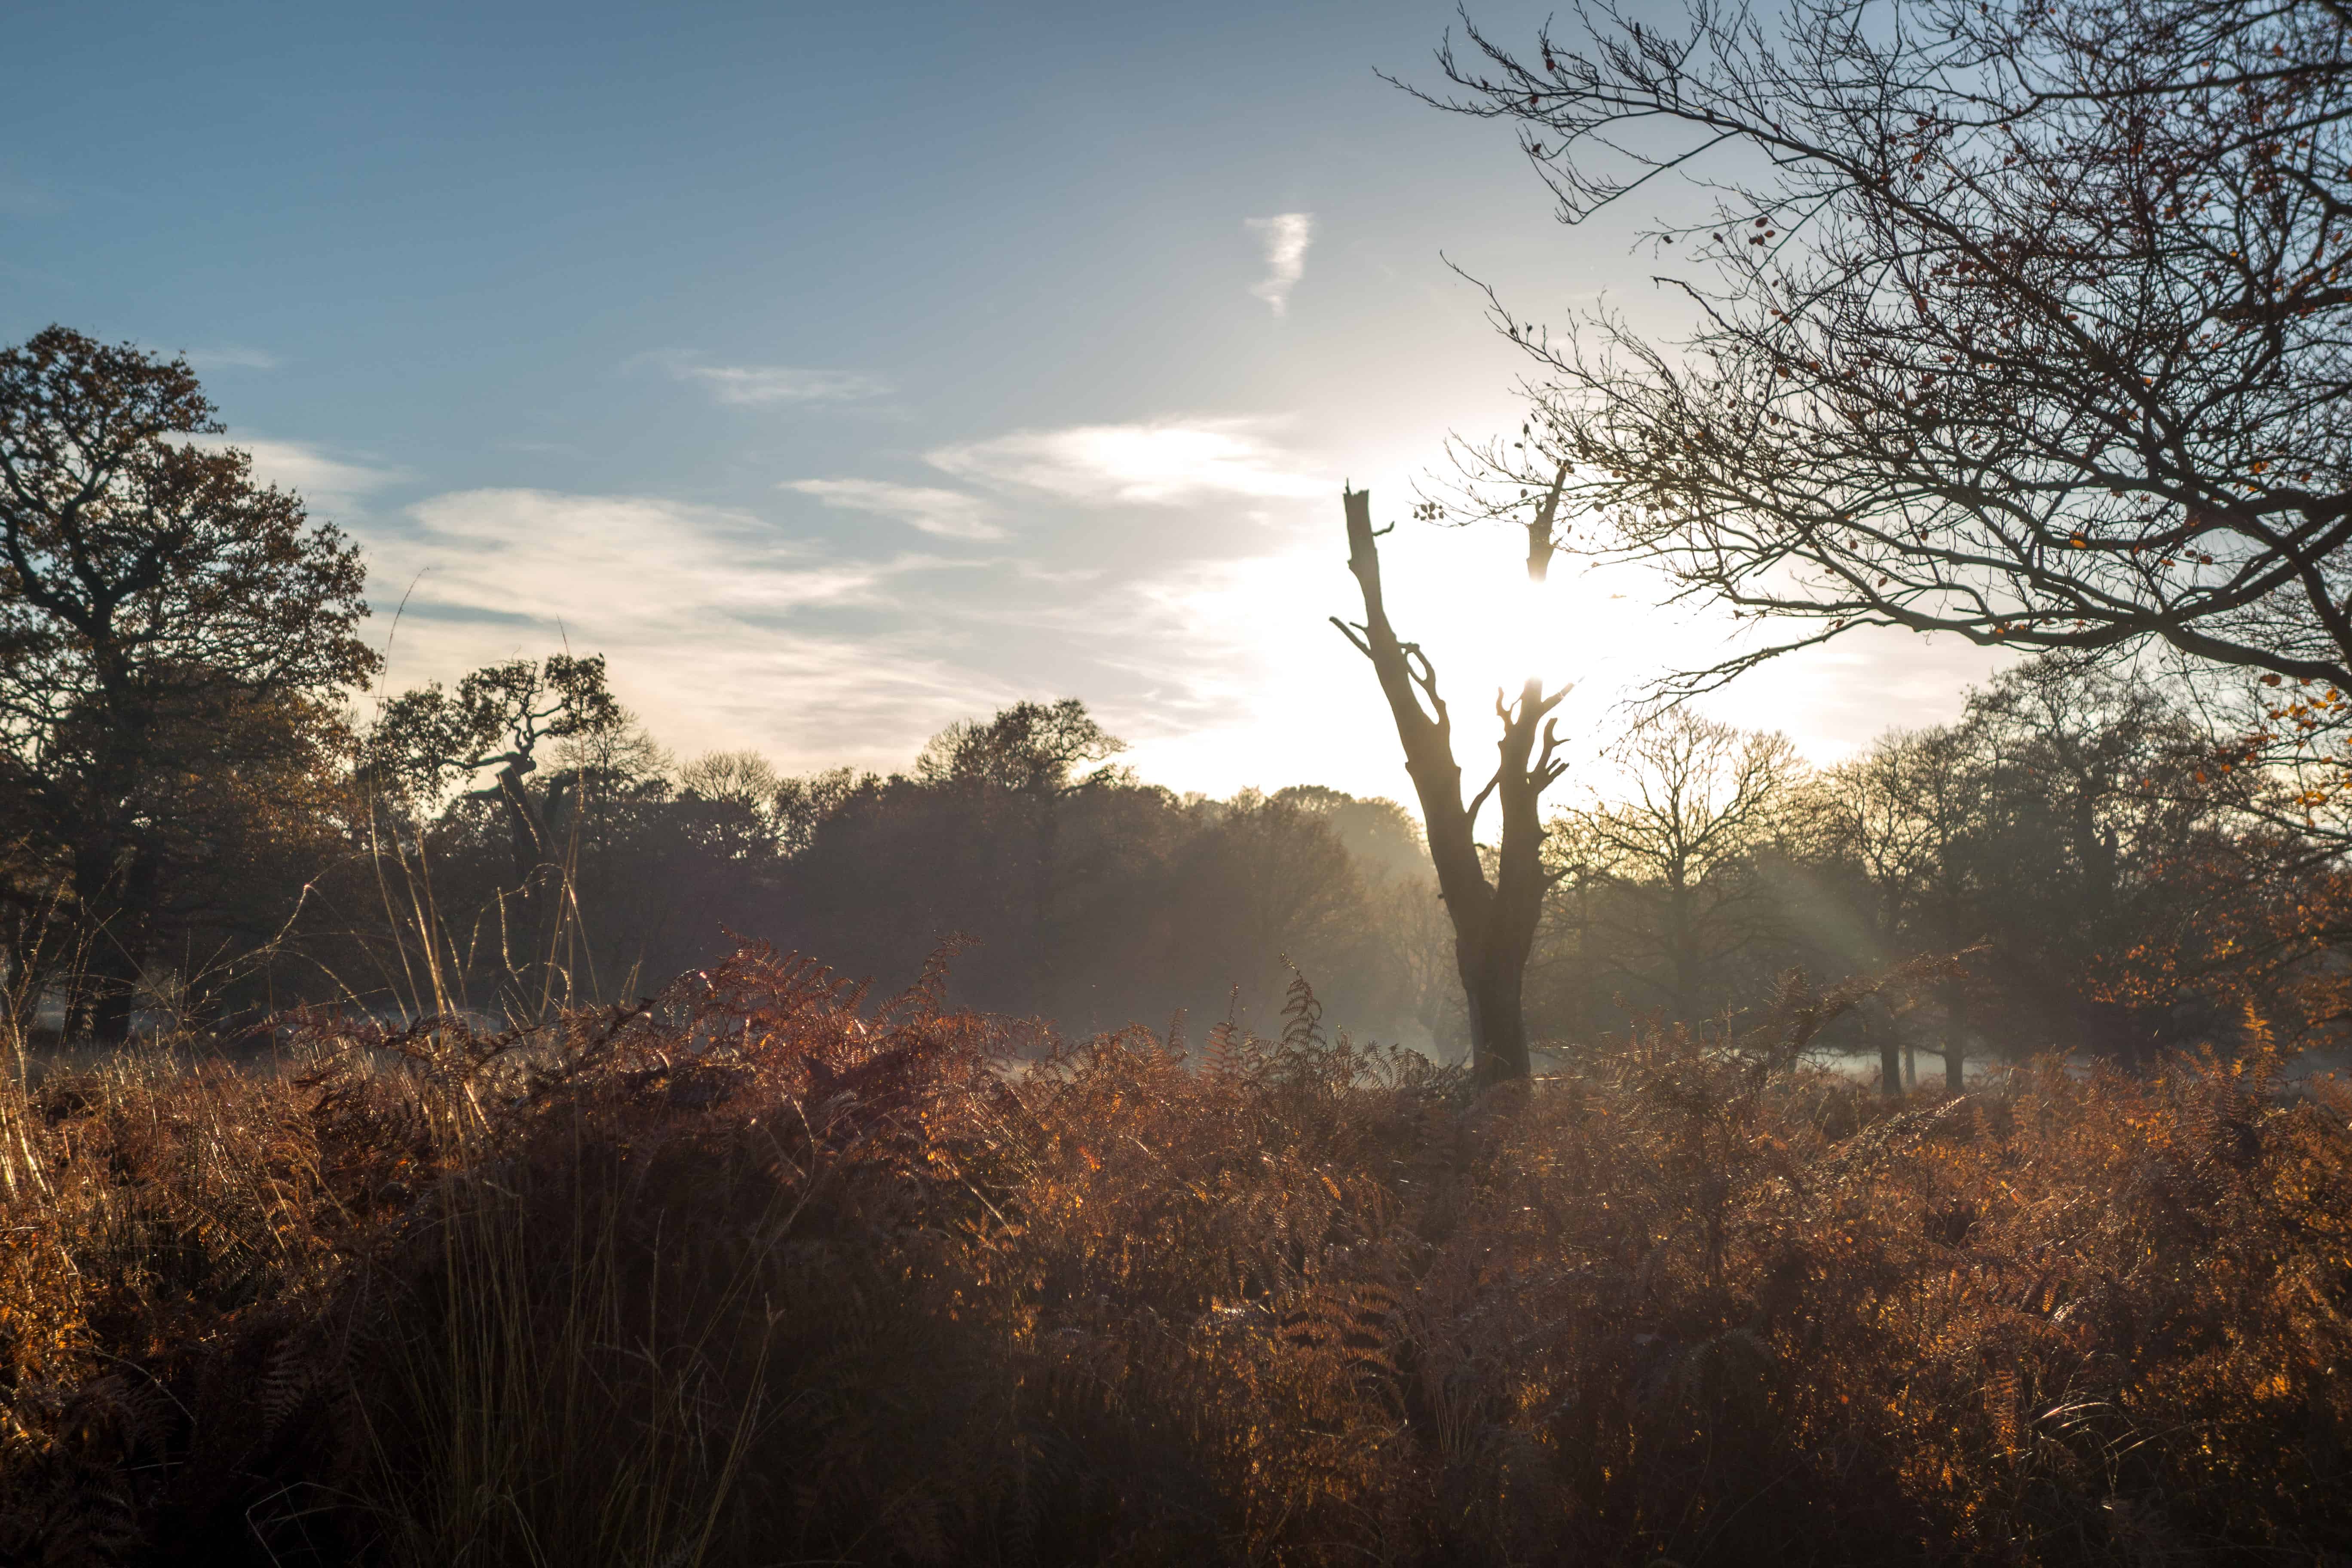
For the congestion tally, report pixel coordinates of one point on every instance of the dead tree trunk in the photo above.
(1493, 919)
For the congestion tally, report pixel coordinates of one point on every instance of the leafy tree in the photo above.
(2108, 805)
(803, 804)
(2056, 830)
(498, 721)
(1032, 748)
(1377, 832)
(2099, 770)
(430, 739)
(1026, 761)
(1153, 905)
(174, 643)
(1269, 883)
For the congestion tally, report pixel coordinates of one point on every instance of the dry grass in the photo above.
(754, 1276)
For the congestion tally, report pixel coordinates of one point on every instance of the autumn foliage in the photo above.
(752, 1273)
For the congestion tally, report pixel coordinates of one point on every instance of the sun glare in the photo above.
(1299, 705)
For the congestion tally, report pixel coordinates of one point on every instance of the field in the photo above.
(756, 1274)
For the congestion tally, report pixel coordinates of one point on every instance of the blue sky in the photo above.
(842, 371)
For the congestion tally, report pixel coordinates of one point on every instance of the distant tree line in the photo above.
(2079, 832)
(1092, 898)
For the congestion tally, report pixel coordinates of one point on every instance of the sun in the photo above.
(1276, 696)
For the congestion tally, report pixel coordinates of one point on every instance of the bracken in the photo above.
(752, 1273)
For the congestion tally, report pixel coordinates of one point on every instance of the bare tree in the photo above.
(1905, 815)
(1701, 798)
(2028, 322)
(735, 793)
(1868, 821)
(738, 778)
(1494, 918)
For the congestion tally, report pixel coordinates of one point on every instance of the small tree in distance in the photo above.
(1701, 799)
(1032, 754)
(430, 740)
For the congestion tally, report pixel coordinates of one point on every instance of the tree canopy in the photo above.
(175, 639)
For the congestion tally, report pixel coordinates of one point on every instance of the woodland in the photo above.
(442, 1126)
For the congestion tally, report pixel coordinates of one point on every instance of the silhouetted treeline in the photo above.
(196, 823)
(1092, 897)
(2113, 886)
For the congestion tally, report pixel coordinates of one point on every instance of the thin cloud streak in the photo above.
(330, 485)
(1160, 464)
(767, 385)
(717, 630)
(230, 357)
(946, 514)
(1286, 237)
(621, 560)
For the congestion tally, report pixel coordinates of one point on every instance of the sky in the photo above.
(839, 372)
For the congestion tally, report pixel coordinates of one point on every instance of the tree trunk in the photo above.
(1955, 1040)
(114, 989)
(1890, 1055)
(107, 969)
(1682, 950)
(1040, 901)
(1498, 1030)
(538, 887)
(527, 834)
(1494, 921)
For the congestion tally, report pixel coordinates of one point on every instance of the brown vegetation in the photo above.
(749, 1273)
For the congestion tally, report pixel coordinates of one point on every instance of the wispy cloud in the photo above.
(1155, 464)
(329, 484)
(1286, 237)
(720, 630)
(231, 357)
(766, 385)
(619, 559)
(949, 515)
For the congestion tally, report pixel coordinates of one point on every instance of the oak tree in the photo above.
(173, 634)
